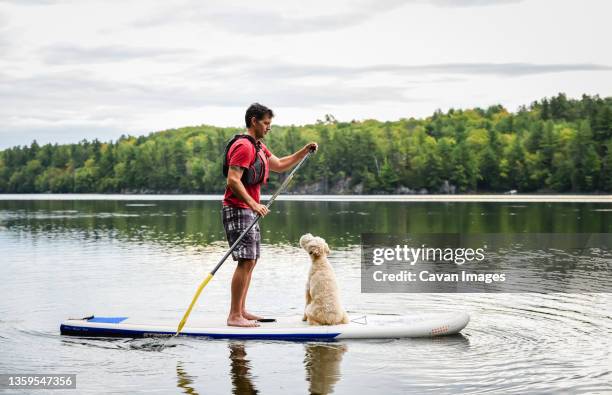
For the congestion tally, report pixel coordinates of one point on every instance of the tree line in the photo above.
(555, 144)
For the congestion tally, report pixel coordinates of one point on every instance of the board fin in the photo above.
(89, 317)
(266, 320)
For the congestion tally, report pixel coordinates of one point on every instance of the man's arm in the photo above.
(280, 165)
(234, 175)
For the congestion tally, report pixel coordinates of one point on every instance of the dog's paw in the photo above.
(313, 322)
(304, 318)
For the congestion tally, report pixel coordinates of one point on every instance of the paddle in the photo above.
(227, 254)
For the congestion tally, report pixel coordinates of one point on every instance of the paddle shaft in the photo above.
(228, 253)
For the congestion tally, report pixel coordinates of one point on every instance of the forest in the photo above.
(553, 145)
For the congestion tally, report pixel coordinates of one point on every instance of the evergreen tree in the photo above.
(584, 159)
(606, 168)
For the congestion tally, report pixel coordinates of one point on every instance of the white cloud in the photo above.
(70, 54)
(470, 3)
(102, 68)
(274, 70)
(265, 18)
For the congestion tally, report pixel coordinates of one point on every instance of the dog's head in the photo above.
(315, 246)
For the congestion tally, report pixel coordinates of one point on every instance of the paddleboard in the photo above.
(285, 328)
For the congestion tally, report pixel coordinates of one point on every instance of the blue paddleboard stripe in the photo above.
(108, 320)
(114, 332)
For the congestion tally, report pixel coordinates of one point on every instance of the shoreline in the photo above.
(327, 198)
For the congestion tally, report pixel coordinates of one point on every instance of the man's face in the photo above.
(262, 127)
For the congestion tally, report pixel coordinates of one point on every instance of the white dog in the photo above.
(323, 305)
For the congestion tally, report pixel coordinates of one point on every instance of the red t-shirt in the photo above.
(242, 153)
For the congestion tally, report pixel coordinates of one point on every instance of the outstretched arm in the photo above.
(280, 165)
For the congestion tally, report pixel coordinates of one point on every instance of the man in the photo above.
(241, 204)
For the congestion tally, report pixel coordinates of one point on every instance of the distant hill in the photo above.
(553, 145)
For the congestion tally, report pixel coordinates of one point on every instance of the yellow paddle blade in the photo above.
(195, 298)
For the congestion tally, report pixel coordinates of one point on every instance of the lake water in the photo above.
(73, 258)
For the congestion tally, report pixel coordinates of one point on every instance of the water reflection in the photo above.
(458, 342)
(184, 381)
(197, 223)
(322, 363)
(240, 370)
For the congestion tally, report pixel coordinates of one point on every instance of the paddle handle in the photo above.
(193, 301)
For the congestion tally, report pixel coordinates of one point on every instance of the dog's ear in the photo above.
(305, 239)
(327, 251)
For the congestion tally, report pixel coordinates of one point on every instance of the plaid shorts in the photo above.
(235, 221)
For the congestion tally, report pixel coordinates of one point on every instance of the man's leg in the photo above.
(246, 314)
(240, 283)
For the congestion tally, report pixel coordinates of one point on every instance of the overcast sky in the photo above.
(98, 69)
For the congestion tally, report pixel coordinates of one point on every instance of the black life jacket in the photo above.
(256, 172)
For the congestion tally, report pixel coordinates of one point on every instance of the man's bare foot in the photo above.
(250, 316)
(242, 322)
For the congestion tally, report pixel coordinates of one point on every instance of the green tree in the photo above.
(85, 177)
(606, 168)
(585, 162)
(517, 168)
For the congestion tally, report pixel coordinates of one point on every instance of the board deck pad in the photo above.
(285, 328)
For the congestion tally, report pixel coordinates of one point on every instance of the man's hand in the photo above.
(260, 209)
(234, 182)
(312, 146)
(280, 165)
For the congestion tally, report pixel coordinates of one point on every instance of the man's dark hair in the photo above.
(258, 111)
